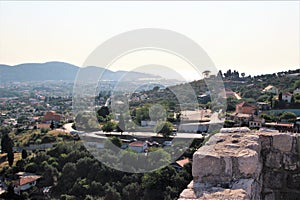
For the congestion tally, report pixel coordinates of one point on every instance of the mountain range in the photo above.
(62, 71)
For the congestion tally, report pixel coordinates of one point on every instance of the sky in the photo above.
(252, 37)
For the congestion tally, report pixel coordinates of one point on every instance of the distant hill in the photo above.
(60, 71)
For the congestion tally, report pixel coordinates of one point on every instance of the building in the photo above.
(246, 108)
(24, 182)
(270, 89)
(286, 96)
(281, 127)
(138, 146)
(297, 91)
(241, 119)
(145, 123)
(230, 94)
(51, 116)
(256, 122)
(179, 164)
(195, 127)
(263, 106)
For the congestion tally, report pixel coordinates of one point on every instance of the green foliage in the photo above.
(288, 116)
(103, 114)
(116, 141)
(297, 84)
(109, 126)
(164, 128)
(44, 130)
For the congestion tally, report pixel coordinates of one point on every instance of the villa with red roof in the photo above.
(24, 182)
(51, 116)
(138, 146)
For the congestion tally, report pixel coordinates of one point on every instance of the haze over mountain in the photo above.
(62, 71)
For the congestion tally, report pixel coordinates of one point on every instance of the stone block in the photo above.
(273, 160)
(291, 161)
(273, 180)
(188, 194)
(248, 162)
(265, 139)
(283, 142)
(293, 181)
(270, 196)
(208, 166)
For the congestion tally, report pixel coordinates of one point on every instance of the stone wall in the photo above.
(256, 165)
(281, 166)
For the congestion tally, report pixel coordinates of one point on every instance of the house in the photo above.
(138, 146)
(51, 116)
(286, 96)
(24, 182)
(179, 164)
(242, 119)
(270, 89)
(297, 91)
(256, 122)
(263, 106)
(246, 108)
(195, 127)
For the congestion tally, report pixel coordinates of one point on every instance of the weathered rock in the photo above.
(248, 162)
(273, 160)
(291, 161)
(283, 142)
(293, 181)
(246, 166)
(273, 179)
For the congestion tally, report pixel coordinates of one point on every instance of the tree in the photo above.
(280, 96)
(7, 147)
(52, 125)
(165, 128)
(121, 124)
(103, 112)
(288, 116)
(6, 143)
(116, 141)
(24, 154)
(109, 126)
(243, 74)
(10, 158)
(297, 84)
(206, 73)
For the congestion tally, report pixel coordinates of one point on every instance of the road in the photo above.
(101, 134)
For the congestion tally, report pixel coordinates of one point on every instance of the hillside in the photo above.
(59, 71)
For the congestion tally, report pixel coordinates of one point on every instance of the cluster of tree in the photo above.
(283, 117)
(75, 174)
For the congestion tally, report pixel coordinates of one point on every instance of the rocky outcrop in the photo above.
(253, 165)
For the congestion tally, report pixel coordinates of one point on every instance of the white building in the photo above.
(138, 146)
(297, 91)
(286, 96)
(270, 89)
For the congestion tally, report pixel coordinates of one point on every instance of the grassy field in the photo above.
(4, 162)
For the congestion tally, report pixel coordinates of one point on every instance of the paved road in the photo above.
(68, 127)
(101, 134)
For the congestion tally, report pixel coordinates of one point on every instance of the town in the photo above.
(38, 124)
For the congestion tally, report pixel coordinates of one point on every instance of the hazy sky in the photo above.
(252, 37)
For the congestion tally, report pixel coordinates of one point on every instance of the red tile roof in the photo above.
(137, 144)
(183, 162)
(27, 179)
